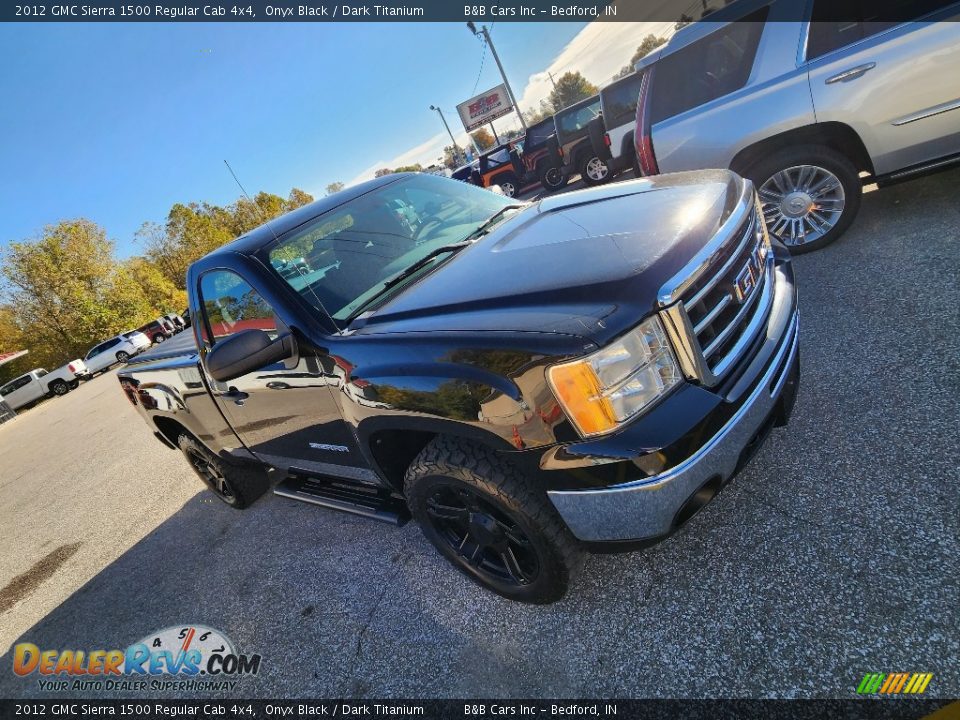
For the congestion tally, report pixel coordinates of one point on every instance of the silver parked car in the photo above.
(809, 110)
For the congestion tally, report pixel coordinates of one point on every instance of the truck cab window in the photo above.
(230, 305)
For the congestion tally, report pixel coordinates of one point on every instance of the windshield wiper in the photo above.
(428, 258)
(423, 262)
(491, 221)
(406, 273)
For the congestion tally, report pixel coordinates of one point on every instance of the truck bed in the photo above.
(178, 345)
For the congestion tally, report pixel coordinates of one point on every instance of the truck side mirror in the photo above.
(247, 351)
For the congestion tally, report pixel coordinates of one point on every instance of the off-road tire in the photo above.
(447, 463)
(824, 157)
(244, 483)
(552, 178)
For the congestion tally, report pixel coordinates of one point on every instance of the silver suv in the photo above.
(809, 110)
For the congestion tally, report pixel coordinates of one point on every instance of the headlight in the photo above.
(605, 389)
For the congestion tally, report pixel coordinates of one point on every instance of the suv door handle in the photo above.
(851, 74)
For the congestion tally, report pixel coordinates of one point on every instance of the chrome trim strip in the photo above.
(924, 168)
(753, 327)
(734, 256)
(685, 346)
(671, 290)
(929, 112)
(711, 316)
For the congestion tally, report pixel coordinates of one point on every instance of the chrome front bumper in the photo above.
(648, 508)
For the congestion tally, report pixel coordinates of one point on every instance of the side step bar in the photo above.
(338, 494)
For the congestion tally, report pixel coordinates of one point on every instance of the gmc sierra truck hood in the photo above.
(587, 263)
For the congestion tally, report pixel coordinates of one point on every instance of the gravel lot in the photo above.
(833, 554)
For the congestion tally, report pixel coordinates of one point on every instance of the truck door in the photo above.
(287, 416)
(21, 391)
(896, 84)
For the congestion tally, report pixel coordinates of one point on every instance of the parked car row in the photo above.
(809, 111)
(39, 383)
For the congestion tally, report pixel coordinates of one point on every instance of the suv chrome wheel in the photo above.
(802, 203)
(597, 169)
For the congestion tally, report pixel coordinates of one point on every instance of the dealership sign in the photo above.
(485, 107)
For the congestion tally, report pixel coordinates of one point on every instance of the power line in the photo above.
(483, 57)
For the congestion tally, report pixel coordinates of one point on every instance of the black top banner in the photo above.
(678, 11)
(486, 709)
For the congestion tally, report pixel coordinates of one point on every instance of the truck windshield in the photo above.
(343, 257)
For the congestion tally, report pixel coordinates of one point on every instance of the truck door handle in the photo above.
(235, 395)
(851, 74)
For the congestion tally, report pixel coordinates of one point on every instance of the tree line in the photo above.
(66, 290)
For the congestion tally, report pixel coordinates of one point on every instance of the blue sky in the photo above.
(116, 122)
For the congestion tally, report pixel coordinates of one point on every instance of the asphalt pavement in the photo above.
(833, 554)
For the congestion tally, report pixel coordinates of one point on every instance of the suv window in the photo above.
(619, 101)
(537, 134)
(838, 23)
(570, 122)
(707, 69)
(231, 305)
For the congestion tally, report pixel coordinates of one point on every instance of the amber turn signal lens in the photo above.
(578, 390)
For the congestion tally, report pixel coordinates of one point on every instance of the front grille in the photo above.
(723, 309)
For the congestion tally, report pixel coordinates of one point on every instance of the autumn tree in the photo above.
(196, 229)
(335, 187)
(650, 43)
(483, 138)
(535, 115)
(571, 87)
(65, 291)
(452, 157)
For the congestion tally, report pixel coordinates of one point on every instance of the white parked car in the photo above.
(139, 339)
(38, 384)
(117, 349)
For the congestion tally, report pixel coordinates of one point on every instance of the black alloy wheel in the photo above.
(485, 539)
(494, 525)
(212, 475)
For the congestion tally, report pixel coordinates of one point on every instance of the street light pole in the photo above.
(456, 148)
(493, 51)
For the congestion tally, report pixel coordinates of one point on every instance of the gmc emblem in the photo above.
(744, 283)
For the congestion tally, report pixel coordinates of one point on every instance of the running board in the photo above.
(337, 494)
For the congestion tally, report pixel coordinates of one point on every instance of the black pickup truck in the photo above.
(529, 381)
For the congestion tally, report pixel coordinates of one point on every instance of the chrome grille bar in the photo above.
(714, 315)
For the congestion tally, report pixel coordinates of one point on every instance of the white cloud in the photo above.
(598, 51)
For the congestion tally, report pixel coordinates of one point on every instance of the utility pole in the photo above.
(552, 81)
(493, 51)
(456, 148)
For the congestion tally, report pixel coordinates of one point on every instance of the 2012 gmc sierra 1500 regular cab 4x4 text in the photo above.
(529, 381)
